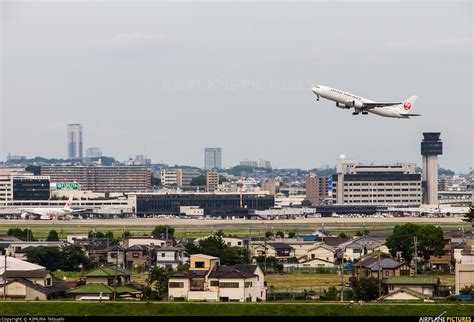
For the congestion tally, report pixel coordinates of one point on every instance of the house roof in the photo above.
(205, 256)
(105, 272)
(57, 286)
(363, 241)
(102, 288)
(334, 241)
(16, 264)
(307, 237)
(280, 246)
(234, 271)
(40, 273)
(374, 264)
(412, 280)
(408, 291)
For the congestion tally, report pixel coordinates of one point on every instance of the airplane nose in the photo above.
(315, 90)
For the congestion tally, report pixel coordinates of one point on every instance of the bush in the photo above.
(331, 294)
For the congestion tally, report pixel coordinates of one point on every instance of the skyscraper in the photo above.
(212, 158)
(74, 141)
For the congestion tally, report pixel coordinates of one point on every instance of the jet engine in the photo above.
(24, 215)
(340, 105)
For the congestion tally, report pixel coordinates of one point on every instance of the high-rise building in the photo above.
(431, 147)
(270, 186)
(316, 188)
(212, 181)
(257, 164)
(376, 185)
(94, 152)
(102, 179)
(212, 158)
(74, 141)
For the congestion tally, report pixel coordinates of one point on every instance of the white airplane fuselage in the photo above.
(342, 99)
(46, 213)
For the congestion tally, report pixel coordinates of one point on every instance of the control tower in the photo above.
(431, 147)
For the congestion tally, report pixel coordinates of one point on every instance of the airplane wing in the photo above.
(411, 114)
(368, 106)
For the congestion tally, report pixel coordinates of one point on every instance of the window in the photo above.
(391, 287)
(229, 285)
(135, 255)
(163, 254)
(387, 273)
(176, 285)
(248, 284)
(199, 264)
(214, 283)
(47, 282)
(313, 256)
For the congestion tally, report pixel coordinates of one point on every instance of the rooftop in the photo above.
(412, 280)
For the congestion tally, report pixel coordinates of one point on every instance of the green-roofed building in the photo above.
(423, 284)
(102, 282)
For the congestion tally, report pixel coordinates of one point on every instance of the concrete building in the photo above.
(74, 141)
(185, 176)
(316, 188)
(212, 181)
(389, 185)
(94, 152)
(257, 164)
(169, 177)
(212, 158)
(22, 185)
(464, 270)
(431, 147)
(102, 179)
(270, 186)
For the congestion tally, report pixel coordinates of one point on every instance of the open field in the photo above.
(202, 228)
(58, 308)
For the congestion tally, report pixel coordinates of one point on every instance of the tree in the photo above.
(291, 234)
(331, 294)
(109, 235)
(200, 180)
(67, 258)
(342, 235)
(269, 234)
(127, 233)
(269, 263)
(163, 231)
(366, 289)
(53, 236)
(401, 240)
(364, 232)
(280, 234)
(95, 234)
(215, 246)
(220, 233)
(25, 234)
(469, 216)
(430, 241)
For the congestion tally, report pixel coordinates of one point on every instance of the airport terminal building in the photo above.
(213, 204)
(387, 185)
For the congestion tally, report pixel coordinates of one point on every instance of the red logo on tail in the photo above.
(407, 105)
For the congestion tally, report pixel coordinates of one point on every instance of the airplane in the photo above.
(363, 105)
(50, 213)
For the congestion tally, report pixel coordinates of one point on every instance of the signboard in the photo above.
(65, 186)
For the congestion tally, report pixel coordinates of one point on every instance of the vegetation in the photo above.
(53, 236)
(215, 246)
(200, 180)
(25, 234)
(67, 258)
(163, 231)
(56, 308)
(366, 289)
(269, 264)
(430, 241)
(469, 216)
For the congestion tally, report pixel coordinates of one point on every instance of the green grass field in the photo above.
(57, 308)
(40, 231)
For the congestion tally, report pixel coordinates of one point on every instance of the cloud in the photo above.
(138, 37)
(430, 44)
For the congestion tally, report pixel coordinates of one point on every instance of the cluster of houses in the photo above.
(208, 280)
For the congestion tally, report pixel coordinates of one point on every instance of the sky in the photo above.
(167, 79)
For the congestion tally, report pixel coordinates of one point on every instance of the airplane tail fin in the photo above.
(407, 106)
(68, 205)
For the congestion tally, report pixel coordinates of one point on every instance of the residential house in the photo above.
(150, 241)
(361, 246)
(102, 283)
(443, 262)
(280, 251)
(17, 249)
(322, 251)
(309, 264)
(207, 280)
(116, 256)
(6, 240)
(140, 255)
(383, 268)
(27, 281)
(423, 284)
(171, 257)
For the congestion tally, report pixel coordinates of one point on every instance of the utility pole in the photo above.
(380, 276)
(342, 281)
(5, 278)
(116, 273)
(415, 241)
